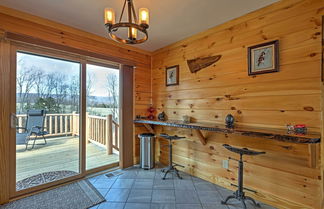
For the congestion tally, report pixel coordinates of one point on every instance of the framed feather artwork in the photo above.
(263, 58)
(172, 76)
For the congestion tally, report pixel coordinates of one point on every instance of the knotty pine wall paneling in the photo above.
(283, 177)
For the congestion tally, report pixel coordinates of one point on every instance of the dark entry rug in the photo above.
(43, 178)
(78, 195)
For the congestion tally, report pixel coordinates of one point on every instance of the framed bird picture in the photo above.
(263, 58)
(172, 76)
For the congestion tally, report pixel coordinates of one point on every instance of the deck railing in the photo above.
(102, 131)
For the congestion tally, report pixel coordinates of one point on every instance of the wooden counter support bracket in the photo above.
(201, 137)
(312, 156)
(149, 128)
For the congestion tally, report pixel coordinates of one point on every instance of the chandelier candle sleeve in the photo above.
(109, 16)
(144, 16)
(134, 33)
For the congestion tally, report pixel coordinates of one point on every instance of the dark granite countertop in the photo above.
(274, 134)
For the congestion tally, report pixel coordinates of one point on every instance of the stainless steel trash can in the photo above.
(147, 150)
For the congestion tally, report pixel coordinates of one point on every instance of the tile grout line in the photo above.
(130, 190)
(196, 192)
(152, 190)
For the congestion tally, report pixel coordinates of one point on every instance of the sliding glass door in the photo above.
(102, 126)
(47, 112)
(65, 118)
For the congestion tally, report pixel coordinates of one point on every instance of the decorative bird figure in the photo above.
(171, 75)
(261, 58)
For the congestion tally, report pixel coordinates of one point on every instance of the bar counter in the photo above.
(267, 133)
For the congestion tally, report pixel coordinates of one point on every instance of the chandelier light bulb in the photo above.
(134, 33)
(143, 16)
(109, 16)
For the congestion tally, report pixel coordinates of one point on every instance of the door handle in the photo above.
(13, 120)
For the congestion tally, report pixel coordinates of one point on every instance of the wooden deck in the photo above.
(60, 153)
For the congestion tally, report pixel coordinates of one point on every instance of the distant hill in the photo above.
(93, 99)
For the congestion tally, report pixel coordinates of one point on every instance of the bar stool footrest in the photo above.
(175, 164)
(242, 198)
(247, 189)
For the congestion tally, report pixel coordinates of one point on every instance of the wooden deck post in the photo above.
(50, 124)
(55, 124)
(20, 124)
(87, 127)
(61, 124)
(66, 125)
(73, 119)
(109, 134)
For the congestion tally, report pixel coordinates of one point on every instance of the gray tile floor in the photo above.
(144, 189)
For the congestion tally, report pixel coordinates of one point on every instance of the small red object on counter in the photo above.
(300, 129)
(300, 126)
(151, 111)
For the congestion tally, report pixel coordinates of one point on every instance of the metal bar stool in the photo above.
(239, 194)
(171, 167)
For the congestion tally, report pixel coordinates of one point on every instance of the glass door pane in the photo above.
(47, 109)
(102, 126)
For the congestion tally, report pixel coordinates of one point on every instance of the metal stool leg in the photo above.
(227, 199)
(165, 174)
(243, 204)
(171, 167)
(177, 173)
(253, 201)
(239, 193)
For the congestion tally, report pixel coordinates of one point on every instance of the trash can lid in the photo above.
(146, 135)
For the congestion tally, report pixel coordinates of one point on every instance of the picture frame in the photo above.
(263, 58)
(172, 75)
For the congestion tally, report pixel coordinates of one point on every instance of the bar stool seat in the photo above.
(172, 166)
(239, 194)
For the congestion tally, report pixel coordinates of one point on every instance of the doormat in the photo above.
(43, 178)
(77, 195)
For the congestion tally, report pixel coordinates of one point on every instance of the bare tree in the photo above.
(89, 91)
(25, 81)
(89, 86)
(50, 82)
(40, 83)
(35, 84)
(73, 91)
(113, 93)
(60, 90)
